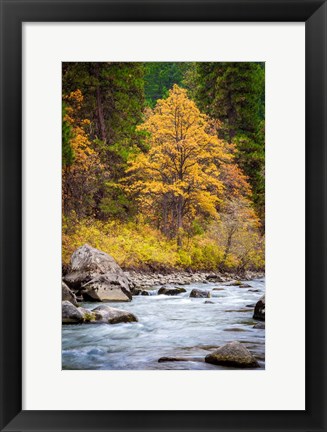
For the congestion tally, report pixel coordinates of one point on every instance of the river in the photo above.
(169, 326)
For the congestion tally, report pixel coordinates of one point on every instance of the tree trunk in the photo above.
(165, 215)
(179, 221)
(101, 116)
(231, 119)
(228, 245)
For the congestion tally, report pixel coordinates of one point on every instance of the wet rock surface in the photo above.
(70, 313)
(197, 293)
(171, 291)
(260, 309)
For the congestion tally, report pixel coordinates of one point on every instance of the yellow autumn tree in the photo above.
(181, 174)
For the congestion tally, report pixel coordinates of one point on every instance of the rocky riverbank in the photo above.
(150, 302)
(146, 280)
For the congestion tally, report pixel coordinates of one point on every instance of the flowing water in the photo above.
(169, 326)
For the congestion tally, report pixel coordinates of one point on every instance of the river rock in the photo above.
(233, 354)
(67, 294)
(139, 291)
(97, 276)
(197, 293)
(110, 315)
(259, 310)
(214, 278)
(171, 291)
(209, 302)
(70, 313)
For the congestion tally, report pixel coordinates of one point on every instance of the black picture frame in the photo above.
(13, 14)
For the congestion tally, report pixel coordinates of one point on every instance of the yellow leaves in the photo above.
(182, 155)
(207, 203)
(188, 170)
(80, 142)
(74, 98)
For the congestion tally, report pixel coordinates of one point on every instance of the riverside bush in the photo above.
(139, 246)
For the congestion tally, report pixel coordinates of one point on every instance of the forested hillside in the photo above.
(163, 163)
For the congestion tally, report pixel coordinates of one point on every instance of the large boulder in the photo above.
(233, 354)
(105, 288)
(97, 276)
(67, 294)
(171, 291)
(70, 313)
(197, 293)
(259, 310)
(109, 315)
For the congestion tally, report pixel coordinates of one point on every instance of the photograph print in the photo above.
(163, 216)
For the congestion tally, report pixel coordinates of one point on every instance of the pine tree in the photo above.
(66, 136)
(234, 94)
(159, 79)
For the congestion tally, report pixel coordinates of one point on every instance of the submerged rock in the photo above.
(109, 315)
(171, 291)
(233, 354)
(197, 293)
(259, 310)
(209, 302)
(96, 276)
(238, 310)
(259, 325)
(234, 283)
(67, 294)
(70, 313)
(179, 359)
